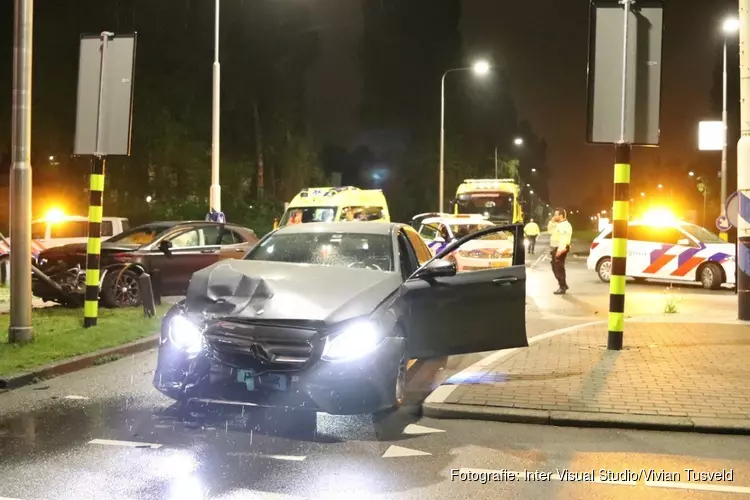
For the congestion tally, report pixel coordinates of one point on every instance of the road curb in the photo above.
(14, 381)
(586, 419)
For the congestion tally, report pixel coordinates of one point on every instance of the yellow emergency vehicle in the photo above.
(496, 199)
(334, 204)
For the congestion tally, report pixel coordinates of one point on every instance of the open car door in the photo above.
(471, 297)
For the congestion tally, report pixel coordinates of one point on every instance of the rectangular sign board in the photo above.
(115, 120)
(711, 136)
(644, 72)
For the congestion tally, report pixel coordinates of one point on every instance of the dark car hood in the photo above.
(80, 248)
(281, 291)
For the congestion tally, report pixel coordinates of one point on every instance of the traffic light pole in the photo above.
(620, 209)
(20, 330)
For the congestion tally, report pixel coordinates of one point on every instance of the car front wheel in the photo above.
(120, 288)
(710, 276)
(604, 269)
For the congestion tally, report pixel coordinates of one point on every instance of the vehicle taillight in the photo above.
(122, 257)
(594, 244)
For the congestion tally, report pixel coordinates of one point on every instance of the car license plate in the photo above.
(274, 381)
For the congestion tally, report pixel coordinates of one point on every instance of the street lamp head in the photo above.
(481, 68)
(643, 194)
(691, 174)
(531, 192)
(731, 25)
(660, 186)
(518, 141)
(533, 170)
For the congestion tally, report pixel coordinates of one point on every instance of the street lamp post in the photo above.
(215, 191)
(480, 68)
(730, 26)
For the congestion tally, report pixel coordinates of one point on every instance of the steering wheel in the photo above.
(364, 265)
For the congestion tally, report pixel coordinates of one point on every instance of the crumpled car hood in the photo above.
(281, 291)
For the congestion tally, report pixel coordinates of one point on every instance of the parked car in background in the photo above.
(668, 249)
(439, 232)
(57, 229)
(170, 251)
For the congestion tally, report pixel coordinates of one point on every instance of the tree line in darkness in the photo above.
(268, 153)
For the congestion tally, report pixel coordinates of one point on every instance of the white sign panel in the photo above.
(711, 136)
(111, 78)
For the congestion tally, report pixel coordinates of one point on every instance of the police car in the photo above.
(668, 249)
(481, 253)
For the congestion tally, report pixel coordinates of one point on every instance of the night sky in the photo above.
(543, 45)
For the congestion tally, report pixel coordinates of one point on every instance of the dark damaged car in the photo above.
(326, 316)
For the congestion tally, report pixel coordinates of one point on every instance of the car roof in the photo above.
(352, 227)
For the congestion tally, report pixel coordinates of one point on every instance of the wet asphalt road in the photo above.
(105, 433)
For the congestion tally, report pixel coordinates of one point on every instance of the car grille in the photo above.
(261, 347)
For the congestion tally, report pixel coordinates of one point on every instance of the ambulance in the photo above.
(495, 199)
(665, 248)
(336, 204)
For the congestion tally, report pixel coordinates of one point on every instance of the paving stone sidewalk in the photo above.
(674, 376)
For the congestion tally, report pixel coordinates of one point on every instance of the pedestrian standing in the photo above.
(563, 233)
(531, 231)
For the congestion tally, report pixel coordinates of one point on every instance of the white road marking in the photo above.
(414, 429)
(73, 396)
(399, 451)
(289, 458)
(440, 394)
(9, 498)
(128, 444)
(699, 486)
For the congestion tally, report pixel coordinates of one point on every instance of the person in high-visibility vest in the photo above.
(531, 230)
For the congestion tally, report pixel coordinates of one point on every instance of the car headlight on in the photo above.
(185, 335)
(353, 342)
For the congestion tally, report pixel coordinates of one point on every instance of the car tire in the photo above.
(113, 297)
(604, 269)
(710, 276)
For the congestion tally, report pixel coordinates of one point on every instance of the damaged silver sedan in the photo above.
(326, 316)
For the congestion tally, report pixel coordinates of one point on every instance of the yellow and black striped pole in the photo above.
(620, 217)
(94, 247)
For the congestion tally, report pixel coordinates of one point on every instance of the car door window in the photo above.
(230, 237)
(39, 231)
(210, 235)
(373, 214)
(483, 253)
(70, 229)
(407, 258)
(428, 231)
(638, 233)
(420, 248)
(187, 239)
(107, 229)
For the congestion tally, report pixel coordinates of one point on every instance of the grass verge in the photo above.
(59, 334)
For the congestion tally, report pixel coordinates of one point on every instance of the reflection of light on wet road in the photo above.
(188, 487)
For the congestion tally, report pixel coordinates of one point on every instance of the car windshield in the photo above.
(491, 205)
(308, 214)
(141, 235)
(371, 251)
(702, 234)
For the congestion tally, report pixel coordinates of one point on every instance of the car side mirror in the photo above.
(684, 242)
(166, 247)
(437, 268)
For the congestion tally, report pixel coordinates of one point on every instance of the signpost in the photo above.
(103, 128)
(624, 100)
(711, 136)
